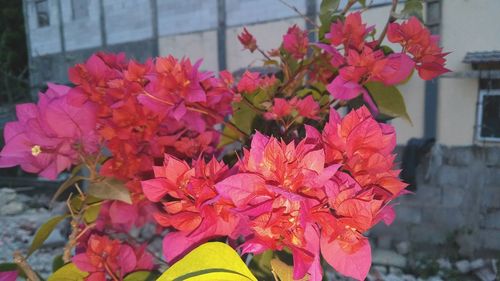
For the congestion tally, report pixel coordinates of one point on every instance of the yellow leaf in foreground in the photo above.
(284, 272)
(210, 261)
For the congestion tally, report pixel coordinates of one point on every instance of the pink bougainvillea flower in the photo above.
(281, 108)
(350, 33)
(424, 47)
(295, 42)
(249, 82)
(247, 40)
(192, 209)
(369, 66)
(276, 184)
(307, 107)
(104, 256)
(49, 136)
(8, 275)
(364, 147)
(174, 84)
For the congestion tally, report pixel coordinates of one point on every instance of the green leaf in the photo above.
(92, 212)
(284, 271)
(69, 272)
(57, 263)
(210, 261)
(413, 8)
(43, 233)
(389, 100)
(362, 2)
(328, 7)
(141, 276)
(261, 265)
(110, 189)
(8, 266)
(243, 117)
(67, 184)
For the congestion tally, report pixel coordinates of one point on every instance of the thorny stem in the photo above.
(306, 18)
(110, 272)
(71, 240)
(302, 69)
(21, 262)
(75, 233)
(263, 53)
(389, 20)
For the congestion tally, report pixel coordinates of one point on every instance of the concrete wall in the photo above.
(75, 27)
(457, 201)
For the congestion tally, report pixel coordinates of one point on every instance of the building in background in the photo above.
(458, 183)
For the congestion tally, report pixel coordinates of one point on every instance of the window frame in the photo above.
(479, 117)
(37, 13)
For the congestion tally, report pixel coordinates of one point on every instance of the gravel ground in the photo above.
(21, 215)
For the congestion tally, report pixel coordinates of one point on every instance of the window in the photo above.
(42, 12)
(80, 8)
(488, 115)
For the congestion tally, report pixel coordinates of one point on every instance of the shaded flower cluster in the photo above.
(148, 109)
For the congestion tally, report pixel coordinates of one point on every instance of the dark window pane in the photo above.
(42, 13)
(433, 13)
(489, 84)
(490, 123)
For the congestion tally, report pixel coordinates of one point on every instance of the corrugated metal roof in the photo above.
(482, 57)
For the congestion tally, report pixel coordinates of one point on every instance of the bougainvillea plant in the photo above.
(286, 170)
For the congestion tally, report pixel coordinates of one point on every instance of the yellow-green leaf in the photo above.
(413, 8)
(111, 189)
(284, 271)
(43, 233)
(388, 99)
(57, 263)
(141, 276)
(210, 261)
(69, 272)
(67, 184)
(243, 117)
(91, 212)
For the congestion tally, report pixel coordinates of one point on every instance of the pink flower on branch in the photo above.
(295, 42)
(417, 40)
(247, 40)
(50, 136)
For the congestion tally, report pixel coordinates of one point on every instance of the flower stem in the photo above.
(389, 20)
(21, 262)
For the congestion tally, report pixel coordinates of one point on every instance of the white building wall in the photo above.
(244, 12)
(44, 40)
(88, 26)
(128, 20)
(175, 17)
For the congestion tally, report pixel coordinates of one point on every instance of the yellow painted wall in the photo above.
(467, 26)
